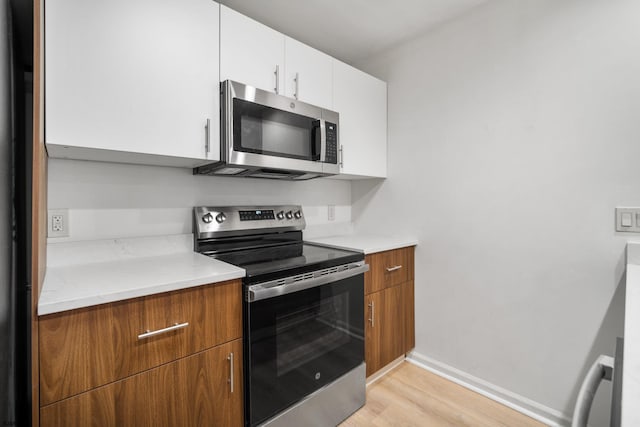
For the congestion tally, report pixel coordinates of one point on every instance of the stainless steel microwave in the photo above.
(264, 135)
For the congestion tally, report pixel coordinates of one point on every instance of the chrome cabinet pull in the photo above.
(277, 73)
(372, 306)
(341, 156)
(148, 334)
(207, 144)
(297, 82)
(230, 359)
(394, 268)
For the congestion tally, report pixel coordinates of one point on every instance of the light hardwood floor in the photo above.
(411, 396)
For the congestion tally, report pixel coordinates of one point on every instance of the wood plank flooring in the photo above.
(411, 396)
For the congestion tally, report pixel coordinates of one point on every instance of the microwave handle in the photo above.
(323, 141)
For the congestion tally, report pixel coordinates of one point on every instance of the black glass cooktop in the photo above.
(286, 260)
(276, 256)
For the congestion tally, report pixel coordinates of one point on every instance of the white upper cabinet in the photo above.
(133, 81)
(308, 74)
(250, 52)
(361, 101)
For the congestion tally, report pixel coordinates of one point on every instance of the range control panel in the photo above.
(331, 130)
(257, 215)
(217, 221)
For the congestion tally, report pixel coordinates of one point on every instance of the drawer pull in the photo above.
(397, 267)
(230, 359)
(373, 313)
(175, 327)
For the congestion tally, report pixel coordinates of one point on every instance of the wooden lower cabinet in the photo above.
(383, 332)
(192, 391)
(89, 347)
(389, 307)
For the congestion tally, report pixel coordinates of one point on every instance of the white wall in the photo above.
(514, 131)
(110, 200)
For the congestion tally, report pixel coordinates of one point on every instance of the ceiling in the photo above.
(352, 30)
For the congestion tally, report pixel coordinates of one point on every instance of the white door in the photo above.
(361, 101)
(250, 52)
(308, 74)
(133, 76)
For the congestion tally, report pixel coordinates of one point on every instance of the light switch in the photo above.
(628, 219)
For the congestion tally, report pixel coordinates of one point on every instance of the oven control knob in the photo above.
(220, 217)
(289, 215)
(298, 214)
(280, 215)
(207, 218)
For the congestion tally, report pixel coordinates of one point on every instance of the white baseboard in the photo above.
(533, 409)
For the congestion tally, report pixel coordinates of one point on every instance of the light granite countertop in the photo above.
(87, 273)
(366, 243)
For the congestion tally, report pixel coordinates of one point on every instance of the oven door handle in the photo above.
(260, 292)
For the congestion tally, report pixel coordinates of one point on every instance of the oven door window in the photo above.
(264, 130)
(300, 342)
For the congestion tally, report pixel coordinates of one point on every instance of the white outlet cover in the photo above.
(64, 214)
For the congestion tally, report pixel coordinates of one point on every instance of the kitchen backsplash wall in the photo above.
(110, 200)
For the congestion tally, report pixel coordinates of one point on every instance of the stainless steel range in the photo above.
(303, 315)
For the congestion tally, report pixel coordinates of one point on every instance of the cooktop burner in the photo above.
(266, 241)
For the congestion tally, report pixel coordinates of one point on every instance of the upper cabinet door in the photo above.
(250, 52)
(361, 101)
(308, 74)
(133, 80)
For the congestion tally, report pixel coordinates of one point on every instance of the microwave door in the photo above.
(261, 136)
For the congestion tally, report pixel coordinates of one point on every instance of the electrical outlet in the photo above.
(331, 212)
(58, 223)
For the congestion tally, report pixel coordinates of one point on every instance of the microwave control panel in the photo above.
(331, 131)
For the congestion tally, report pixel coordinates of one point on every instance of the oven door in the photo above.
(268, 131)
(297, 342)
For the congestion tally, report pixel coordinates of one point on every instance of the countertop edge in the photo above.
(373, 245)
(91, 301)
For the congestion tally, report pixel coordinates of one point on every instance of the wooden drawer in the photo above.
(389, 268)
(193, 391)
(89, 347)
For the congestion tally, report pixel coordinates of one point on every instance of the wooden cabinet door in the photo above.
(373, 332)
(85, 348)
(193, 391)
(309, 75)
(250, 52)
(214, 314)
(384, 328)
(133, 81)
(361, 101)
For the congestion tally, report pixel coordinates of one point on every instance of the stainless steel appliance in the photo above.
(303, 315)
(264, 135)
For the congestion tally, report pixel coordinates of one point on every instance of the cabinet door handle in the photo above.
(297, 82)
(394, 268)
(207, 144)
(148, 334)
(341, 157)
(277, 73)
(372, 306)
(230, 359)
